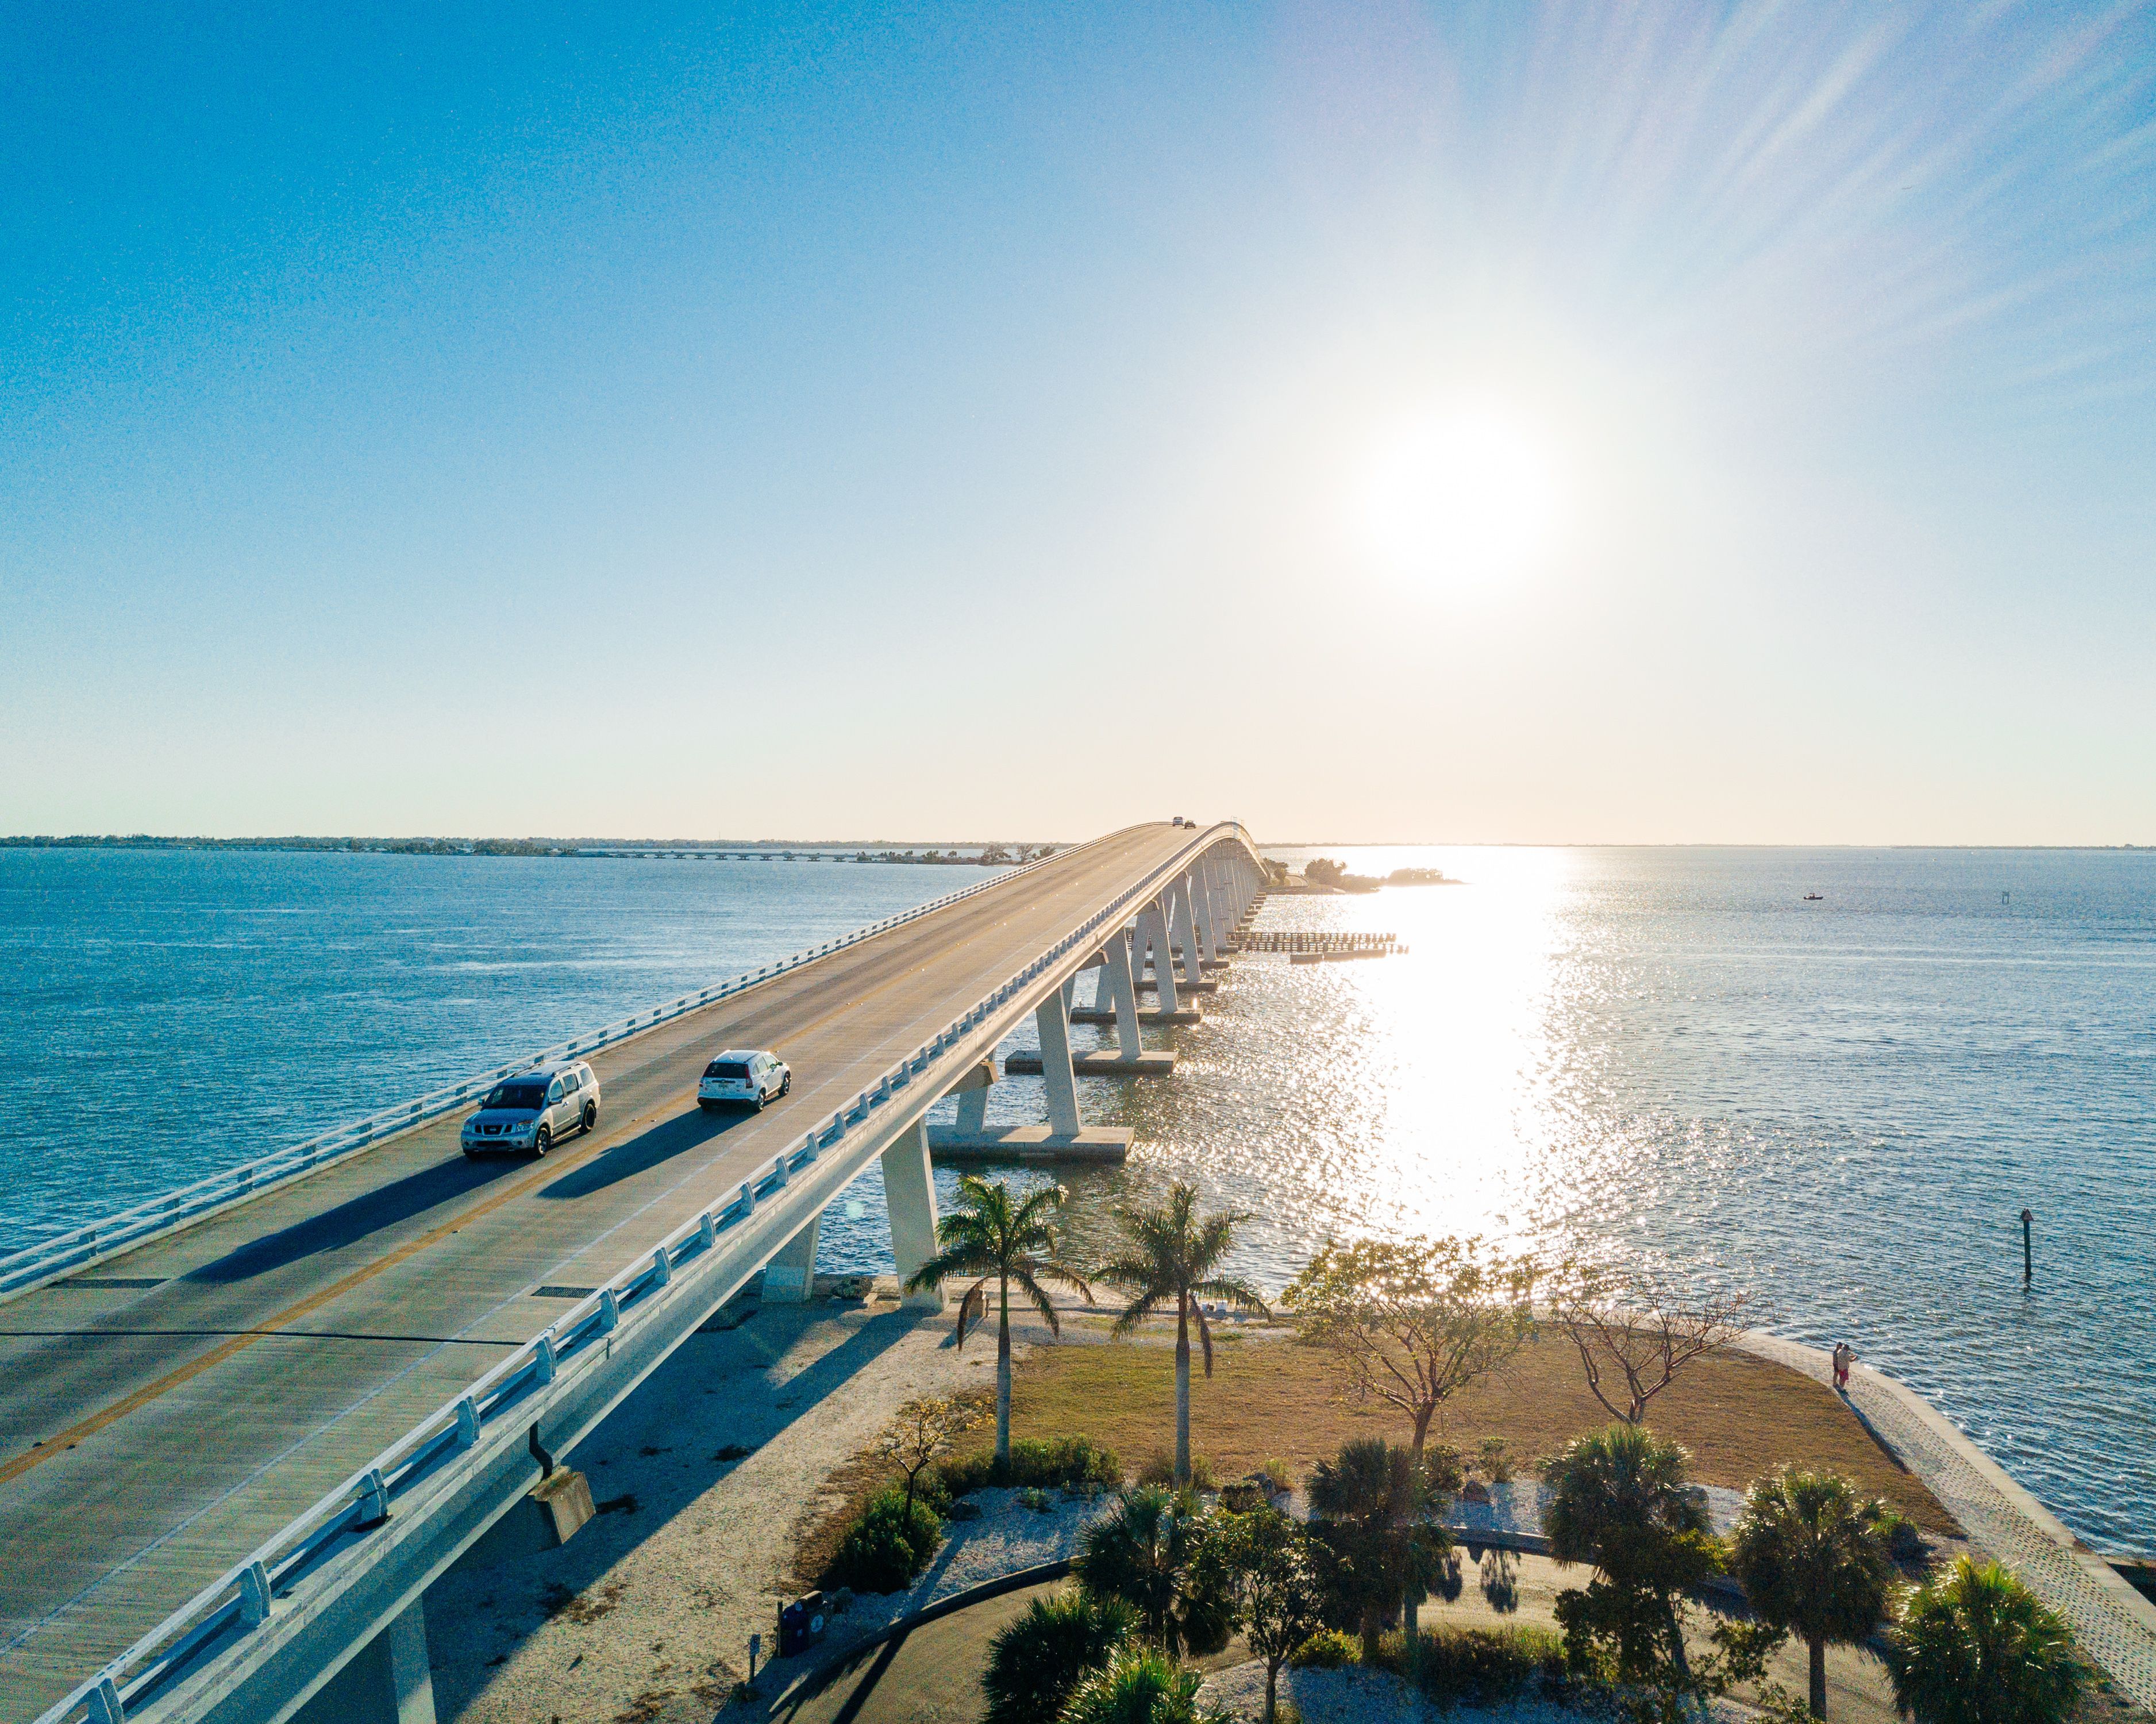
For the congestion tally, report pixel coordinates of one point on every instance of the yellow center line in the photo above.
(94, 1423)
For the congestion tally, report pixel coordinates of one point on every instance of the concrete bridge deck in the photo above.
(166, 1411)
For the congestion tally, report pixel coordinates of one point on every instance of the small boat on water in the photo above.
(1814, 898)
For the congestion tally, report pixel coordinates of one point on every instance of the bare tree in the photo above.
(922, 1431)
(1635, 1329)
(1413, 1322)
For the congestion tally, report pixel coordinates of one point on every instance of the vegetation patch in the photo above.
(891, 1542)
(1280, 1404)
(1477, 1666)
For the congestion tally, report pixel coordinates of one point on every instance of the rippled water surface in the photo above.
(1842, 1105)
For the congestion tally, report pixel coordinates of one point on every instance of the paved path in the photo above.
(164, 1413)
(2115, 1625)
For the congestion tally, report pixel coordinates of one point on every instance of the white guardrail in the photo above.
(240, 1602)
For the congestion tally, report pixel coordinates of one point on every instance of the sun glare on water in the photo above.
(1463, 498)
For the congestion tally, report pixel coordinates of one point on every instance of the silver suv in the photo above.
(535, 1109)
(745, 1077)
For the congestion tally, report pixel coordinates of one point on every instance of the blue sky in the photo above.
(984, 422)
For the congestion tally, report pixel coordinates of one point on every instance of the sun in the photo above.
(1462, 497)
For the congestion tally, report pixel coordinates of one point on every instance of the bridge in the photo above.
(244, 1427)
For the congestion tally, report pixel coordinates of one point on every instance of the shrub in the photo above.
(1140, 1686)
(1036, 1661)
(1036, 1499)
(1278, 1474)
(1476, 1666)
(1067, 1461)
(1495, 1459)
(1161, 1470)
(1331, 1650)
(1444, 1467)
(1905, 1539)
(888, 1545)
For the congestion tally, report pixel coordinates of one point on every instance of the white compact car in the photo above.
(535, 1109)
(743, 1077)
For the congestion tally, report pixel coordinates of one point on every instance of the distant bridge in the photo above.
(244, 1429)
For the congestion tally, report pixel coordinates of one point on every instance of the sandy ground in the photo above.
(645, 1615)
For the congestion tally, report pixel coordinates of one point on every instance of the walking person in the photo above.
(1844, 1355)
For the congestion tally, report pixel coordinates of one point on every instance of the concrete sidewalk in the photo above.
(2115, 1625)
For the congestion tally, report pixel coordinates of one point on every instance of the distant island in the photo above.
(1323, 876)
(991, 855)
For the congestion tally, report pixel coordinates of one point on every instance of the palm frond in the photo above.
(1068, 1274)
(1234, 1289)
(976, 1295)
(966, 1258)
(1041, 1302)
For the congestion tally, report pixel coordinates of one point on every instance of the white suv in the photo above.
(535, 1109)
(744, 1077)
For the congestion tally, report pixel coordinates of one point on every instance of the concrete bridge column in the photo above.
(1182, 929)
(908, 1193)
(1052, 1016)
(790, 1276)
(1225, 914)
(386, 1682)
(1120, 982)
(1152, 930)
(1201, 904)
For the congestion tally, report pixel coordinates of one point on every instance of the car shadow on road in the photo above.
(349, 1222)
(633, 1156)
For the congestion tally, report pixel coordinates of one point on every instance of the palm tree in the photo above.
(1976, 1647)
(1173, 1256)
(1370, 1512)
(1140, 1686)
(1814, 1563)
(1155, 1552)
(1034, 1662)
(988, 1236)
(1619, 1502)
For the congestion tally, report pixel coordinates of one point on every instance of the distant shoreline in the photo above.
(970, 856)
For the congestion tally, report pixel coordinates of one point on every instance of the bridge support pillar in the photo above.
(386, 1682)
(1182, 929)
(1152, 930)
(1119, 983)
(790, 1276)
(908, 1193)
(1052, 1017)
(1209, 926)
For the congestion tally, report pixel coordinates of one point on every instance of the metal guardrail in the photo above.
(40, 1262)
(218, 1618)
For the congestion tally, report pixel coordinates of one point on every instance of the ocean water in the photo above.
(1839, 1107)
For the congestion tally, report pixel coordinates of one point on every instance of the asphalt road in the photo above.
(152, 1435)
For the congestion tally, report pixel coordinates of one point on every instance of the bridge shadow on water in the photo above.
(349, 1222)
(646, 1150)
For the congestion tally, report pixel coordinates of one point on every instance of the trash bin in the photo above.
(800, 1623)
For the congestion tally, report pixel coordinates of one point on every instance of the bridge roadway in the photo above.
(166, 1411)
